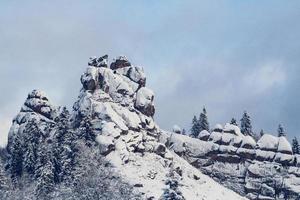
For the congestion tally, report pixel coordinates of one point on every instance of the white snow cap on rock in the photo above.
(268, 142)
(284, 146)
(230, 128)
(248, 142)
(204, 134)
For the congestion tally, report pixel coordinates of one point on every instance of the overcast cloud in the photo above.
(230, 56)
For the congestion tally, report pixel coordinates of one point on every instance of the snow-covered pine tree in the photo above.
(295, 146)
(246, 127)
(46, 171)
(233, 122)
(62, 146)
(86, 131)
(203, 121)
(15, 161)
(31, 140)
(172, 192)
(280, 131)
(195, 129)
(3, 178)
(68, 155)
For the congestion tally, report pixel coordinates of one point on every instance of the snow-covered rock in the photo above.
(230, 128)
(268, 142)
(284, 146)
(120, 62)
(248, 142)
(237, 162)
(215, 137)
(144, 101)
(204, 135)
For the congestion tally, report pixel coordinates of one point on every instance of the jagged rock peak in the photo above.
(122, 83)
(37, 101)
(98, 62)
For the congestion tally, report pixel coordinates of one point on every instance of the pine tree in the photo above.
(31, 140)
(68, 155)
(45, 171)
(281, 131)
(3, 178)
(195, 130)
(62, 149)
(86, 131)
(246, 127)
(233, 122)
(203, 122)
(295, 146)
(172, 191)
(15, 162)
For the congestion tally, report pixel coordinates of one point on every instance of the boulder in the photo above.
(120, 62)
(37, 101)
(89, 79)
(204, 135)
(106, 144)
(160, 149)
(144, 101)
(98, 62)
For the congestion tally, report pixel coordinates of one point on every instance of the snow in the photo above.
(203, 134)
(230, 128)
(150, 171)
(248, 142)
(227, 138)
(106, 112)
(268, 142)
(131, 119)
(181, 143)
(284, 146)
(144, 97)
(110, 129)
(227, 149)
(265, 155)
(283, 158)
(215, 137)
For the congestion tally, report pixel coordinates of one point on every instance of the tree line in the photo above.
(201, 123)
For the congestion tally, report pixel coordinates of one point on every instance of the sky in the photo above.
(228, 56)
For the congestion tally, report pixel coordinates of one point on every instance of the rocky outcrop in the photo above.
(121, 109)
(263, 170)
(36, 107)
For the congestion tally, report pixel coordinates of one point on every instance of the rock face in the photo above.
(121, 109)
(263, 170)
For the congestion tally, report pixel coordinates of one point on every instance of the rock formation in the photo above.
(258, 170)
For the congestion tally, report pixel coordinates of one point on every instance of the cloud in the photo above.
(265, 77)
(5, 124)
